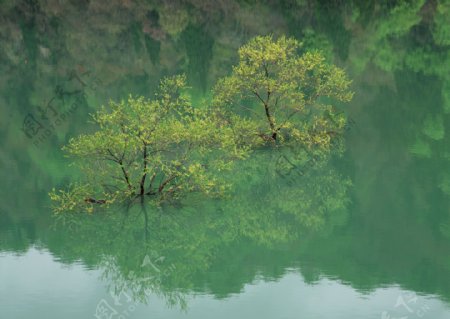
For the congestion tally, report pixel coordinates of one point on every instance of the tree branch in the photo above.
(268, 115)
(259, 97)
(120, 162)
(287, 119)
(167, 181)
(150, 192)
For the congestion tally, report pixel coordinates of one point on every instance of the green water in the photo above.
(381, 247)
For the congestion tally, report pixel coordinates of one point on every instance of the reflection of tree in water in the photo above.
(167, 250)
(287, 191)
(143, 282)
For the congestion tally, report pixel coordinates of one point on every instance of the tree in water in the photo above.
(287, 94)
(162, 148)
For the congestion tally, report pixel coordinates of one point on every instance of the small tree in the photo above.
(287, 94)
(162, 148)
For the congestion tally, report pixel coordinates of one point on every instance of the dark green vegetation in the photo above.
(380, 212)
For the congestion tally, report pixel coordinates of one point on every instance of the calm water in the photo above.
(383, 246)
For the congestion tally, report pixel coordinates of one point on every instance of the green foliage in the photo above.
(173, 19)
(445, 184)
(286, 94)
(428, 61)
(166, 148)
(74, 199)
(161, 147)
(433, 127)
(400, 19)
(441, 32)
(445, 229)
(446, 96)
(421, 148)
(316, 41)
(380, 42)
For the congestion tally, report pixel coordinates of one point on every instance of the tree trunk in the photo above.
(142, 185)
(271, 123)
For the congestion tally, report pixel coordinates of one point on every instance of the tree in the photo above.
(286, 93)
(162, 148)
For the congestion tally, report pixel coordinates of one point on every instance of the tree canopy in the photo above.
(161, 147)
(288, 94)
